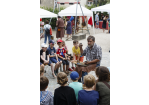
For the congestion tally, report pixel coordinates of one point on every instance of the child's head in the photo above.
(43, 83)
(51, 43)
(59, 42)
(42, 23)
(41, 70)
(43, 46)
(62, 78)
(89, 81)
(74, 76)
(75, 43)
(63, 43)
(102, 73)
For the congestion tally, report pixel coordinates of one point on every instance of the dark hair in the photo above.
(43, 82)
(107, 16)
(67, 19)
(91, 37)
(75, 41)
(47, 22)
(62, 78)
(103, 74)
(59, 17)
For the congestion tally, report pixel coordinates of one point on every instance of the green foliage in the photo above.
(53, 21)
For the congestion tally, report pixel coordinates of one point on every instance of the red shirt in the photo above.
(61, 52)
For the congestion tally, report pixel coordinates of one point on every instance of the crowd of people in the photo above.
(105, 20)
(84, 90)
(90, 92)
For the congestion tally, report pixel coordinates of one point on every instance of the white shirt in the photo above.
(47, 26)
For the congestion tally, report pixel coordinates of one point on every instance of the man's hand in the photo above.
(87, 62)
(64, 58)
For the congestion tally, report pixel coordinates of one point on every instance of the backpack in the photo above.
(47, 31)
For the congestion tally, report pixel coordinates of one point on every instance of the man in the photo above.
(97, 20)
(93, 53)
(60, 28)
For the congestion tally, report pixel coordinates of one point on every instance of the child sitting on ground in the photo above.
(64, 95)
(61, 52)
(46, 97)
(88, 96)
(53, 57)
(77, 86)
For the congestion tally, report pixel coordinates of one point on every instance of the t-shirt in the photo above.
(46, 98)
(47, 53)
(61, 52)
(88, 97)
(96, 17)
(51, 50)
(64, 95)
(77, 86)
(76, 51)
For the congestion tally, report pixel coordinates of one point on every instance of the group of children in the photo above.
(49, 55)
(91, 92)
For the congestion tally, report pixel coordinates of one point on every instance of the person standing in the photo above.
(69, 30)
(104, 23)
(47, 29)
(97, 20)
(60, 28)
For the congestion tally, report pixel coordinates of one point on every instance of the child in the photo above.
(77, 86)
(41, 70)
(61, 52)
(63, 45)
(64, 95)
(46, 97)
(103, 84)
(44, 56)
(88, 96)
(53, 57)
(76, 51)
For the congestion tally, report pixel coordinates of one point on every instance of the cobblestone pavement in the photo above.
(102, 39)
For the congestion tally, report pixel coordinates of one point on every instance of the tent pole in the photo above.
(53, 10)
(84, 19)
(93, 22)
(76, 16)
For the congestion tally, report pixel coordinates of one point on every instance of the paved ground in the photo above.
(102, 39)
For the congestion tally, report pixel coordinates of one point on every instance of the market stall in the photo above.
(46, 14)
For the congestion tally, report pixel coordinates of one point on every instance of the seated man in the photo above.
(93, 53)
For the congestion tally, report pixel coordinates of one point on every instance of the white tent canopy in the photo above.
(46, 14)
(104, 8)
(71, 11)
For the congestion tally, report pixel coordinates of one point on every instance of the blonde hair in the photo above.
(89, 81)
(62, 78)
(41, 70)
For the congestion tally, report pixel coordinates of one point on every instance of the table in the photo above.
(100, 25)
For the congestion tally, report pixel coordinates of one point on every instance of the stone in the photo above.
(79, 36)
